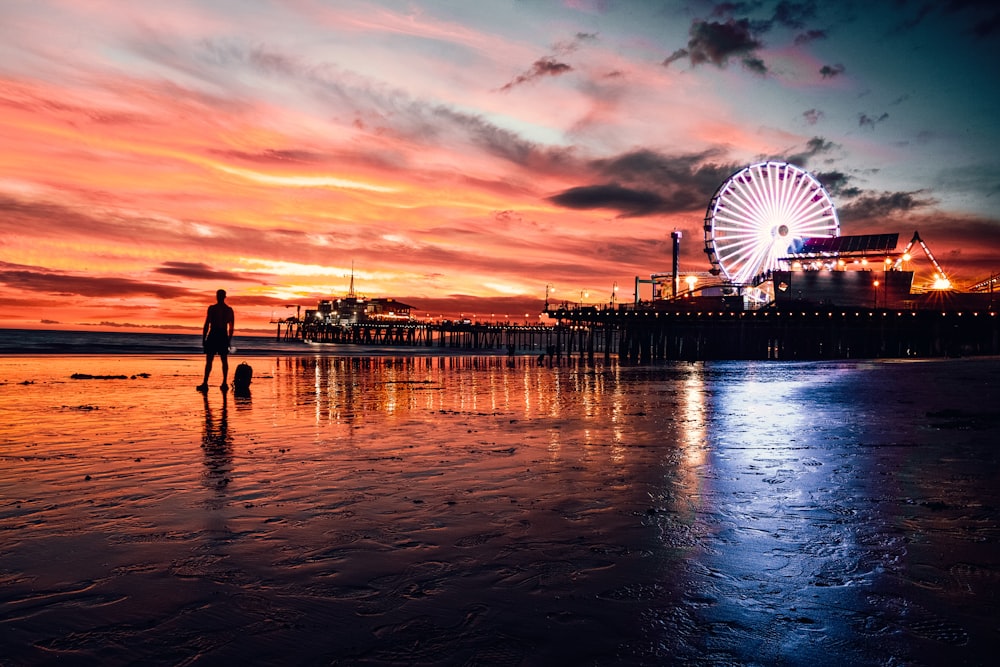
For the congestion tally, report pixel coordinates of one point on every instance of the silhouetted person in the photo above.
(216, 336)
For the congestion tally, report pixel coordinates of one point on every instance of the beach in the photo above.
(466, 510)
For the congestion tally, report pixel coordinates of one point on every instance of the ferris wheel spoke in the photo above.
(809, 206)
(739, 226)
(735, 224)
(759, 197)
(738, 247)
(750, 256)
(819, 223)
(744, 205)
(738, 206)
(773, 187)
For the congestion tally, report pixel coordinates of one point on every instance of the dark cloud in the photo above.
(679, 54)
(755, 65)
(34, 279)
(884, 205)
(714, 42)
(864, 120)
(831, 71)
(734, 34)
(815, 146)
(812, 116)
(695, 171)
(646, 183)
(837, 184)
(199, 271)
(628, 201)
(547, 66)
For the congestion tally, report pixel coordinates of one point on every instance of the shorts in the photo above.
(217, 345)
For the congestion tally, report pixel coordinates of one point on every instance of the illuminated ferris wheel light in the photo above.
(759, 216)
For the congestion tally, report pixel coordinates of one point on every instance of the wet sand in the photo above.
(460, 511)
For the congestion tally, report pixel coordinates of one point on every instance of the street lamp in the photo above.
(548, 290)
(875, 295)
(583, 295)
(614, 294)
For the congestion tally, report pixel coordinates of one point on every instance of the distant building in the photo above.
(353, 309)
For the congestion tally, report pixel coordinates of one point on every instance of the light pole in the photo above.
(614, 294)
(548, 290)
(875, 295)
(583, 294)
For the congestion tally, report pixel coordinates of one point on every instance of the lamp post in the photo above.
(583, 295)
(614, 294)
(874, 295)
(548, 290)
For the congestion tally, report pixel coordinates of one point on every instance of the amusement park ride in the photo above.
(772, 235)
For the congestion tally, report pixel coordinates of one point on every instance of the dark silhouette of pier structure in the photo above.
(692, 330)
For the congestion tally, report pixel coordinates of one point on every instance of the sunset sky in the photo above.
(461, 155)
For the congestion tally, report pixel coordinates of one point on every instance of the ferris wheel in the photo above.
(759, 215)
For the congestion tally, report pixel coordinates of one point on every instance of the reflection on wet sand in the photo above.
(477, 511)
(217, 444)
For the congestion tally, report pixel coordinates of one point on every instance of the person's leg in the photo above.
(209, 357)
(225, 369)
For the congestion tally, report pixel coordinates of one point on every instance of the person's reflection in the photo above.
(217, 445)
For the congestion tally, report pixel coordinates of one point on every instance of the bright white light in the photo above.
(941, 283)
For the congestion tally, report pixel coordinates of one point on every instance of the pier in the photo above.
(787, 333)
(641, 335)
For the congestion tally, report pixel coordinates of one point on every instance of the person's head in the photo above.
(220, 295)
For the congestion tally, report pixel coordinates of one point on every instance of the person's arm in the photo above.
(232, 324)
(204, 329)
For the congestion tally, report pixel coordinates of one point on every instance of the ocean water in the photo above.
(34, 342)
